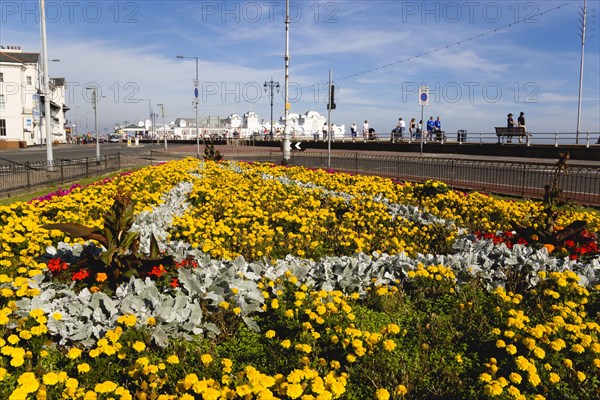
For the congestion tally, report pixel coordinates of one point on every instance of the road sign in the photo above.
(423, 96)
(196, 91)
(298, 146)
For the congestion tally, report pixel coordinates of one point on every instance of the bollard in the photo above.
(587, 140)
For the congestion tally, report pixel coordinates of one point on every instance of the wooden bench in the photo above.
(518, 131)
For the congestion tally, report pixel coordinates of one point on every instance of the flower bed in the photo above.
(235, 280)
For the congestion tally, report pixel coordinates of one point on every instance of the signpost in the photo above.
(423, 101)
(195, 101)
(297, 146)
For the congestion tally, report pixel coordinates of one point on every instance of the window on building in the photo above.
(1, 77)
(2, 104)
(2, 127)
(28, 81)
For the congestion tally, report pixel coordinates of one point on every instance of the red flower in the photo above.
(80, 275)
(57, 265)
(174, 283)
(158, 271)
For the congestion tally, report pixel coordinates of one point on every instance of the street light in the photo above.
(95, 106)
(270, 85)
(196, 82)
(150, 133)
(162, 114)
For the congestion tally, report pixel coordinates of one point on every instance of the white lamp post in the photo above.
(95, 106)
(162, 114)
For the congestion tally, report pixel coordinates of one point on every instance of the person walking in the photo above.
(430, 126)
(366, 131)
(411, 128)
(419, 129)
(353, 131)
(521, 123)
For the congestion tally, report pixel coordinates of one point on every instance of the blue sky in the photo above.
(476, 75)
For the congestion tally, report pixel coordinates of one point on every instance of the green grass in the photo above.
(26, 195)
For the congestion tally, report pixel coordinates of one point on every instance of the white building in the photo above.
(22, 103)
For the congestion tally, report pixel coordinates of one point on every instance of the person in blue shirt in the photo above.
(437, 128)
(430, 126)
(437, 125)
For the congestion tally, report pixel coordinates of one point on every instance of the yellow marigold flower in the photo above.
(577, 348)
(83, 368)
(522, 363)
(224, 305)
(515, 378)
(206, 359)
(139, 346)
(106, 387)
(492, 389)
(581, 376)
(286, 344)
(294, 391)
(382, 394)
(275, 304)
(401, 390)
(485, 377)
(57, 316)
(351, 358)
(289, 314)
(151, 321)
(173, 359)
(389, 345)
(500, 343)
(51, 378)
(127, 320)
(511, 349)
(74, 353)
(568, 363)
(597, 363)
(29, 382)
(101, 277)
(270, 334)
(534, 379)
(539, 352)
(553, 377)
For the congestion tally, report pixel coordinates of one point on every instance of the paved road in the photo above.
(74, 151)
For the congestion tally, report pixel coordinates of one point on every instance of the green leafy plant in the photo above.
(574, 235)
(210, 153)
(119, 260)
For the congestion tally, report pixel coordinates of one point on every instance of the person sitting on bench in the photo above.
(510, 124)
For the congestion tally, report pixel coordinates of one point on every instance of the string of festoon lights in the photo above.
(447, 46)
(300, 88)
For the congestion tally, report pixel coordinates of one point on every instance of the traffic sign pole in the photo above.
(423, 101)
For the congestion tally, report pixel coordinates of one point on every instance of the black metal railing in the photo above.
(525, 179)
(580, 184)
(26, 175)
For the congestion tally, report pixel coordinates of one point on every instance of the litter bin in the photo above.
(461, 136)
